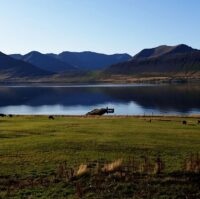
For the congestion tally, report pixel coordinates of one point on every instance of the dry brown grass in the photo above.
(192, 164)
(83, 169)
(114, 166)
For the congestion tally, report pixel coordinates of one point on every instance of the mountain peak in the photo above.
(182, 48)
(153, 52)
(160, 60)
(34, 53)
(163, 50)
(47, 62)
(19, 68)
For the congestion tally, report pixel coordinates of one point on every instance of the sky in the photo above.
(105, 26)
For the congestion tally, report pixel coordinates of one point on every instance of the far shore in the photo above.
(109, 79)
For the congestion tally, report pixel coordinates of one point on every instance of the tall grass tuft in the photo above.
(61, 170)
(114, 166)
(97, 168)
(192, 164)
(79, 190)
(83, 169)
(159, 166)
(146, 166)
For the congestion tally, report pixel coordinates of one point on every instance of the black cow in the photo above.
(51, 117)
(184, 122)
(198, 122)
(2, 115)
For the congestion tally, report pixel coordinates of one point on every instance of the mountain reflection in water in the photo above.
(130, 99)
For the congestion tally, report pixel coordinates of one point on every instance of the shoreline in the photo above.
(113, 116)
(102, 83)
(112, 79)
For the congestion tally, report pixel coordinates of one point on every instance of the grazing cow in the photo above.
(10, 115)
(150, 120)
(2, 115)
(51, 117)
(198, 122)
(184, 122)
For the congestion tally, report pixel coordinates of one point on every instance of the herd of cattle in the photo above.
(51, 117)
(185, 122)
(3, 115)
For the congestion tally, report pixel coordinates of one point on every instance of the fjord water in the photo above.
(132, 99)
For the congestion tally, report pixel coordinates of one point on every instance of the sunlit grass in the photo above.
(35, 146)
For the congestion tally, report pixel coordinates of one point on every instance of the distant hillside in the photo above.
(163, 50)
(17, 56)
(12, 68)
(160, 60)
(90, 60)
(45, 62)
(163, 61)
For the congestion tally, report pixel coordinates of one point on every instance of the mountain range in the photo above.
(160, 60)
(90, 60)
(71, 61)
(12, 68)
(46, 62)
(163, 60)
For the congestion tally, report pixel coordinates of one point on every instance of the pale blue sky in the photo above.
(107, 26)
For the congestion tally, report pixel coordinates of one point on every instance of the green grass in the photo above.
(34, 146)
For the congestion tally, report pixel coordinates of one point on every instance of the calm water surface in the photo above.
(79, 99)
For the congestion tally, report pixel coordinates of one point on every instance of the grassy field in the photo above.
(37, 155)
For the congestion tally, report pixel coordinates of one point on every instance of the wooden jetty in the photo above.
(101, 111)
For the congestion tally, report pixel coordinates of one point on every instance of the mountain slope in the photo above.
(17, 56)
(163, 50)
(91, 60)
(11, 67)
(47, 63)
(163, 59)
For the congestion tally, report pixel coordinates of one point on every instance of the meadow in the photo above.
(99, 157)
